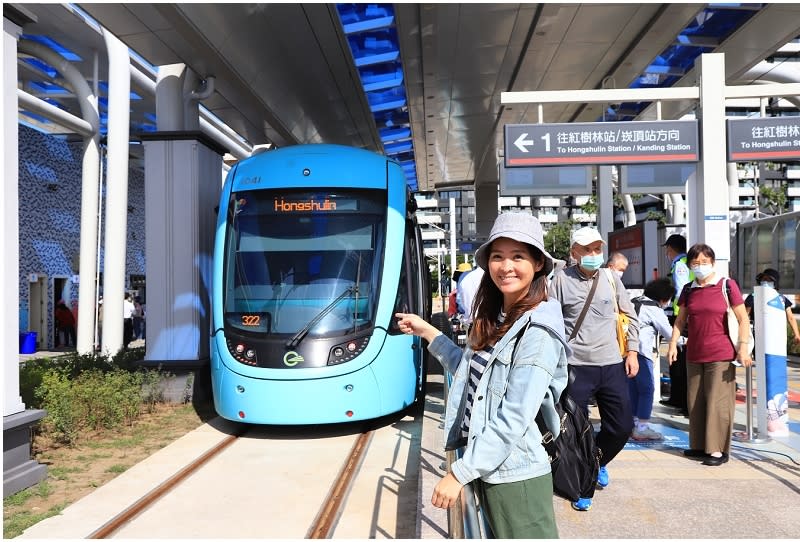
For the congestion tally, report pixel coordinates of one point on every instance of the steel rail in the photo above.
(333, 505)
(118, 521)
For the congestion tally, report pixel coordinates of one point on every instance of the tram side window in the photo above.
(405, 301)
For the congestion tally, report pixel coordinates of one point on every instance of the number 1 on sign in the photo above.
(546, 138)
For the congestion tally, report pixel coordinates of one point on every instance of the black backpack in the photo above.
(574, 455)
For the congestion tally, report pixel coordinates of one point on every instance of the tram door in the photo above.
(37, 308)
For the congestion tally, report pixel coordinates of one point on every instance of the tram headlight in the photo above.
(343, 352)
(243, 352)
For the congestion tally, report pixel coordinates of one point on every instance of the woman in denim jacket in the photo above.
(494, 399)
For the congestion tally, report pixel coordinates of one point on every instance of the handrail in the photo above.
(465, 520)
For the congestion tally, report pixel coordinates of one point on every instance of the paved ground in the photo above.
(655, 492)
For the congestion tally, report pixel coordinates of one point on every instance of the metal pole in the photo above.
(439, 269)
(750, 435)
(453, 263)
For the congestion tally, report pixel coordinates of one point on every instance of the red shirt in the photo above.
(708, 327)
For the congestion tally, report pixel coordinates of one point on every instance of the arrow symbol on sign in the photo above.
(521, 142)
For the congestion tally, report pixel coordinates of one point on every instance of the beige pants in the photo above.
(712, 402)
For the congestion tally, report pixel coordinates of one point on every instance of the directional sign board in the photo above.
(600, 143)
(770, 138)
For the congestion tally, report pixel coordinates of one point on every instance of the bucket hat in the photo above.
(769, 274)
(522, 227)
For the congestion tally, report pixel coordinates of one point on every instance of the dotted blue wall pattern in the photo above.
(50, 216)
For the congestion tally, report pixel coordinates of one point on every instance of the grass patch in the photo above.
(62, 473)
(16, 524)
(135, 440)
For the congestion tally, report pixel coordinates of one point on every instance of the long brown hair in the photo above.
(489, 302)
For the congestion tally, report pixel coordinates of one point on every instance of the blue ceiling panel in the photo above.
(54, 45)
(42, 66)
(373, 42)
(711, 26)
(394, 134)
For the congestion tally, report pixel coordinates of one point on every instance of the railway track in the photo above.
(144, 516)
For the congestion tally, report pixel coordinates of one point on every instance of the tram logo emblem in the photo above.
(292, 358)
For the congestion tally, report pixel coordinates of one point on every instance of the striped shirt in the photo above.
(477, 366)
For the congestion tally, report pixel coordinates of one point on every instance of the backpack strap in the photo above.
(726, 292)
(585, 309)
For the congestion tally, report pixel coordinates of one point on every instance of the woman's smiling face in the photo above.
(512, 268)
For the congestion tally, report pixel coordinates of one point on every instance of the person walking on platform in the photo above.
(618, 263)
(709, 355)
(65, 323)
(514, 366)
(770, 277)
(680, 275)
(128, 309)
(652, 324)
(590, 302)
(466, 293)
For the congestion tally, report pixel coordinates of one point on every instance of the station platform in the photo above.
(654, 492)
(657, 493)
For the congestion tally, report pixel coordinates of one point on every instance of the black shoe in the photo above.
(712, 461)
(694, 454)
(685, 413)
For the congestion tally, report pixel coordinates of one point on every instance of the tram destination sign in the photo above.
(586, 143)
(769, 138)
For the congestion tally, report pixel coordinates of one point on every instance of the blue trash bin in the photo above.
(27, 342)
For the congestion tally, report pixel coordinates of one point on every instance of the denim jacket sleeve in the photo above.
(446, 352)
(511, 406)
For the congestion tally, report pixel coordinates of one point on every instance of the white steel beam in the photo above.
(601, 95)
(758, 91)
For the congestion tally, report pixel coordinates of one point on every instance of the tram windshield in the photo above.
(303, 261)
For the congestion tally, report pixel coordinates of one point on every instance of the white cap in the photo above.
(586, 236)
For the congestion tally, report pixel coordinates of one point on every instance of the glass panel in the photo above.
(787, 252)
(764, 251)
(292, 255)
(748, 268)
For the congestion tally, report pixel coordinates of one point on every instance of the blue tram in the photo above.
(317, 247)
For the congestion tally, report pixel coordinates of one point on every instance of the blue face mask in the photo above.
(591, 263)
(768, 284)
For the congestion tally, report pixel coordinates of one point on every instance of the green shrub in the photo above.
(152, 388)
(55, 394)
(94, 399)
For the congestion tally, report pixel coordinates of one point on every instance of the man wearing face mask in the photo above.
(589, 304)
(618, 263)
(680, 275)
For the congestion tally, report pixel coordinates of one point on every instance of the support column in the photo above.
(182, 187)
(485, 208)
(9, 271)
(116, 223)
(605, 202)
(19, 470)
(707, 193)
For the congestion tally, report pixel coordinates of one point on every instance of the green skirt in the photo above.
(521, 509)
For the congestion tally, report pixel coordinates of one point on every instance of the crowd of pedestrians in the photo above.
(530, 323)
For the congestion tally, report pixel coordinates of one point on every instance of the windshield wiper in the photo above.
(294, 341)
